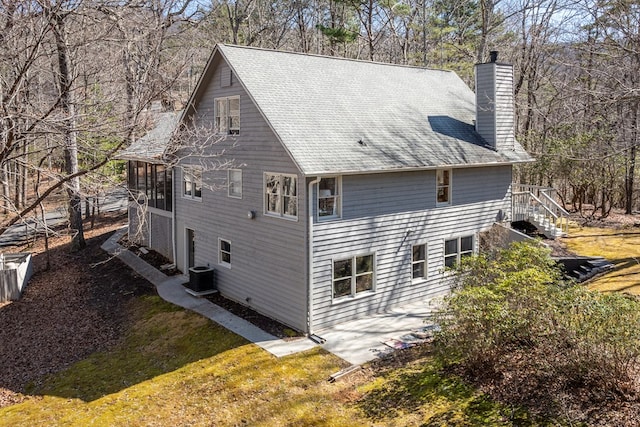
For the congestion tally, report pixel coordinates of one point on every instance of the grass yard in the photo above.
(177, 368)
(621, 246)
(159, 365)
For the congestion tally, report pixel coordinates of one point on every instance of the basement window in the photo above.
(353, 276)
(224, 258)
(456, 249)
(419, 262)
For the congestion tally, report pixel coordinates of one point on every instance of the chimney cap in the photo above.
(493, 56)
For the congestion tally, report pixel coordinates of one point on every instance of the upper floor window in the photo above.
(227, 115)
(281, 195)
(329, 198)
(353, 275)
(456, 249)
(234, 179)
(419, 261)
(443, 186)
(192, 182)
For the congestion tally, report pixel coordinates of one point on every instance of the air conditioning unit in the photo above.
(201, 279)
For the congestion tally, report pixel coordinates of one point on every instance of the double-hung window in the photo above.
(227, 115)
(224, 254)
(456, 249)
(281, 195)
(419, 262)
(192, 182)
(352, 276)
(234, 180)
(443, 186)
(329, 198)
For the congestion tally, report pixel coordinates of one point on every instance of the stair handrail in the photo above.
(546, 208)
(539, 192)
(564, 225)
(550, 213)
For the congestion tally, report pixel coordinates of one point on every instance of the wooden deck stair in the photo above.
(537, 206)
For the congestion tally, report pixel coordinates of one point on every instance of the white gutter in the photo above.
(417, 168)
(310, 260)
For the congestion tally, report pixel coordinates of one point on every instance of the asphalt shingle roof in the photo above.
(152, 145)
(336, 115)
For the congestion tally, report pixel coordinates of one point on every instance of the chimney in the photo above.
(495, 113)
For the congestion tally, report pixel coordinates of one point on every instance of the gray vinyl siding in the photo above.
(485, 95)
(389, 213)
(494, 105)
(268, 262)
(161, 232)
(505, 132)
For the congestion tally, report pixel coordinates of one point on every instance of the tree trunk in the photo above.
(4, 178)
(631, 164)
(70, 133)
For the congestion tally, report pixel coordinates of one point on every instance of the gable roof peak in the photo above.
(222, 47)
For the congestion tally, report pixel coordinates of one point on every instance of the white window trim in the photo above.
(449, 192)
(187, 170)
(226, 129)
(234, 196)
(220, 252)
(424, 261)
(337, 197)
(265, 202)
(459, 252)
(354, 295)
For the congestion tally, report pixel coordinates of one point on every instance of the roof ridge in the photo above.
(337, 58)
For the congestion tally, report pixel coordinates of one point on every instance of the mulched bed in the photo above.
(78, 307)
(265, 323)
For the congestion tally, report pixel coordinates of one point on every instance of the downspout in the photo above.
(174, 226)
(310, 255)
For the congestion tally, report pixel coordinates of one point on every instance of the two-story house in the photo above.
(353, 185)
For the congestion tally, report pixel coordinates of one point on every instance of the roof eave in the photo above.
(415, 168)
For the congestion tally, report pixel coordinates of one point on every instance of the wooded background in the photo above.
(76, 77)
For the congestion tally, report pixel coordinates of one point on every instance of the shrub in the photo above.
(512, 321)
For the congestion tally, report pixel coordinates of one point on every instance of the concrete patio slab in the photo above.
(362, 340)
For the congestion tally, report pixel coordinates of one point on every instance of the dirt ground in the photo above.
(76, 308)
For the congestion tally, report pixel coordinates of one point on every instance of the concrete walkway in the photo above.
(356, 342)
(170, 289)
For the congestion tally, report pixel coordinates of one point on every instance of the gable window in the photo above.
(192, 182)
(353, 276)
(281, 195)
(419, 262)
(224, 254)
(234, 178)
(227, 115)
(456, 249)
(329, 198)
(443, 186)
